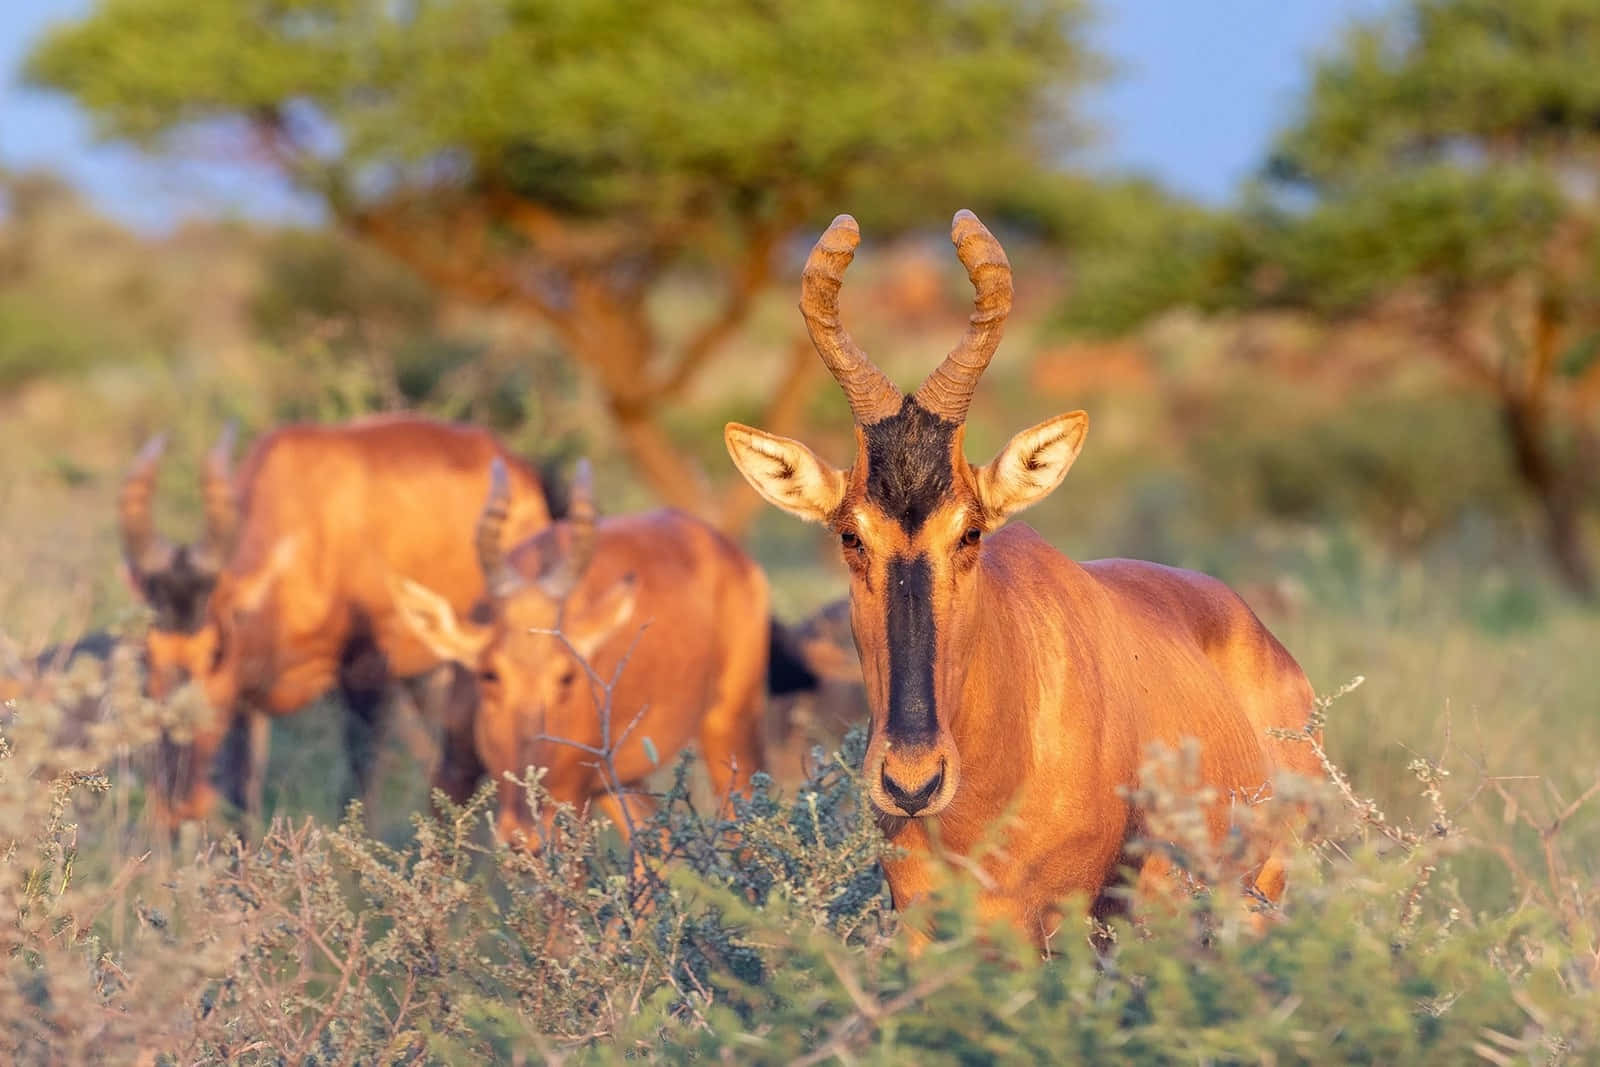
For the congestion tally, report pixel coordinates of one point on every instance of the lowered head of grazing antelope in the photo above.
(194, 596)
(531, 636)
(911, 513)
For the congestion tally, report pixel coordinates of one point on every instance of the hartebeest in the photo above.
(660, 602)
(288, 596)
(1002, 676)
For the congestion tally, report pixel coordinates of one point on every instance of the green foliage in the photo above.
(592, 108)
(69, 297)
(1438, 227)
(1438, 180)
(1440, 147)
(1484, 81)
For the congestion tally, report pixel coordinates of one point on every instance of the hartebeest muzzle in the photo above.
(912, 758)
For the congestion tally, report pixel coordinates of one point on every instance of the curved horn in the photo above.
(217, 492)
(142, 547)
(873, 397)
(562, 578)
(499, 578)
(947, 392)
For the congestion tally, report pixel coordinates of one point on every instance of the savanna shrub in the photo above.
(760, 935)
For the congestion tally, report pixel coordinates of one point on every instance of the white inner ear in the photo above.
(786, 473)
(434, 621)
(1032, 464)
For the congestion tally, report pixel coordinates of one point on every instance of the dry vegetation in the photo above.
(767, 938)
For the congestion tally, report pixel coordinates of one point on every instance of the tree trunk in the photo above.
(675, 479)
(599, 314)
(1558, 491)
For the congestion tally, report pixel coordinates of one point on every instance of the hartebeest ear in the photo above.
(1031, 465)
(435, 623)
(605, 616)
(786, 473)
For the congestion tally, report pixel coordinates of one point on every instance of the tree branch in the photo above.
(748, 278)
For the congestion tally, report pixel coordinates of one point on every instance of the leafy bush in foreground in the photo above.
(762, 937)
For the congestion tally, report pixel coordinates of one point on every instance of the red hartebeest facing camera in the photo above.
(1002, 676)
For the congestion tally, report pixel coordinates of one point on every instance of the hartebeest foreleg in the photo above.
(730, 733)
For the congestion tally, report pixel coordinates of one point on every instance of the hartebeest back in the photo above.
(1002, 676)
(287, 595)
(669, 601)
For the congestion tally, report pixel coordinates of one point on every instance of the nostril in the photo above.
(912, 801)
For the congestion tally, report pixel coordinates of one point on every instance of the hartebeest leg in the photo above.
(730, 733)
(259, 731)
(228, 758)
(364, 685)
(459, 769)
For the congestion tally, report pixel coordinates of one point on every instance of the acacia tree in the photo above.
(1442, 178)
(557, 157)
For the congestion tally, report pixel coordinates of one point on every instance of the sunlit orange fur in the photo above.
(1051, 679)
(685, 607)
(326, 515)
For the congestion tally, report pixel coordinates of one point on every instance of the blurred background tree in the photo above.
(1441, 182)
(556, 158)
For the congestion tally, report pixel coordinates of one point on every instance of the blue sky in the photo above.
(1201, 87)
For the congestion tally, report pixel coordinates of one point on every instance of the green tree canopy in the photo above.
(556, 156)
(1442, 174)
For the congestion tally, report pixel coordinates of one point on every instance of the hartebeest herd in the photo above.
(1012, 693)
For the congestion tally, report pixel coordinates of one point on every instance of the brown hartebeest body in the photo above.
(660, 603)
(288, 595)
(1003, 677)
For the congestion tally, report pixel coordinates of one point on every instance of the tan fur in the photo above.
(687, 609)
(1050, 680)
(355, 503)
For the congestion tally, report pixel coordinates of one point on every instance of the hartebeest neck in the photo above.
(1037, 611)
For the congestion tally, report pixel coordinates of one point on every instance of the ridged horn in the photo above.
(947, 392)
(873, 397)
(500, 579)
(142, 547)
(560, 579)
(221, 505)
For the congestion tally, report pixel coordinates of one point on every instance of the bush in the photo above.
(763, 936)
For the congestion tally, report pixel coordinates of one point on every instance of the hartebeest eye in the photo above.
(850, 540)
(972, 536)
(568, 678)
(488, 676)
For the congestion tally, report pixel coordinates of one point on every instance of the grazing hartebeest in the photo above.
(1002, 676)
(288, 593)
(667, 599)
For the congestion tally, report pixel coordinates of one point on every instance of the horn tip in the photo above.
(963, 224)
(497, 476)
(152, 448)
(583, 473)
(842, 235)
